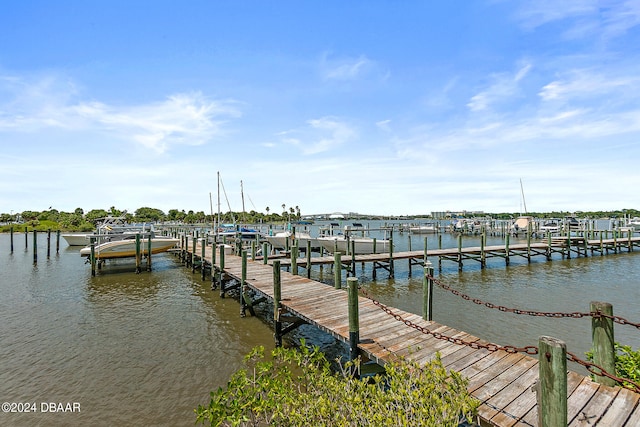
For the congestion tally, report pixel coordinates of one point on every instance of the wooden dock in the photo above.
(502, 380)
(567, 246)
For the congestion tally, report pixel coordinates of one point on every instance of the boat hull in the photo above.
(363, 246)
(76, 239)
(127, 248)
(279, 240)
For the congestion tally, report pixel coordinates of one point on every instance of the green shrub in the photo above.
(299, 388)
(627, 363)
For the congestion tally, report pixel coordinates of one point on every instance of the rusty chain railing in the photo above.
(530, 349)
(574, 315)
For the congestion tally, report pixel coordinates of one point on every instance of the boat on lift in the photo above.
(125, 247)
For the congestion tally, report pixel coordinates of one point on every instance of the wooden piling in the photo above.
(149, 252)
(337, 270)
(427, 292)
(138, 253)
(603, 340)
(48, 243)
(11, 233)
(552, 386)
(277, 298)
(35, 246)
(354, 321)
(222, 290)
(93, 257)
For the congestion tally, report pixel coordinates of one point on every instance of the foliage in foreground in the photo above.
(298, 387)
(627, 363)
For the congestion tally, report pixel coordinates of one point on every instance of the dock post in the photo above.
(337, 270)
(26, 238)
(214, 271)
(277, 297)
(308, 255)
(353, 258)
(149, 252)
(265, 253)
(193, 252)
(391, 266)
(506, 248)
(138, 254)
(11, 232)
(48, 243)
(93, 258)
(354, 322)
(203, 270)
(552, 385)
(243, 289)
(529, 243)
(222, 290)
(253, 250)
(57, 241)
(35, 246)
(603, 340)
(294, 258)
(483, 256)
(460, 250)
(427, 292)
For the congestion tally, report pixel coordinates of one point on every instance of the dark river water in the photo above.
(132, 349)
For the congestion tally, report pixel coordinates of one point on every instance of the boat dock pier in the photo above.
(567, 246)
(502, 378)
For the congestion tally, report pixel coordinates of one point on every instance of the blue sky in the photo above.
(381, 107)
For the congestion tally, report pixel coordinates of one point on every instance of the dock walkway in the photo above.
(564, 245)
(502, 380)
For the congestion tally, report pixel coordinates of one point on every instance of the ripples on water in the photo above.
(146, 349)
(132, 349)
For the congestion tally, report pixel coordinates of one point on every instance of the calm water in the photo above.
(146, 349)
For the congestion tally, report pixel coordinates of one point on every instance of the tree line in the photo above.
(79, 220)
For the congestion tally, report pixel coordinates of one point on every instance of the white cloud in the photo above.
(328, 133)
(184, 118)
(345, 68)
(587, 84)
(503, 87)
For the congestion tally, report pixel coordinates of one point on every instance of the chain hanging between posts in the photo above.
(530, 349)
(573, 315)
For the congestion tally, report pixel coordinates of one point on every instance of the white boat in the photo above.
(363, 245)
(551, 226)
(126, 247)
(423, 229)
(107, 225)
(522, 224)
(231, 230)
(76, 239)
(466, 224)
(279, 239)
(634, 223)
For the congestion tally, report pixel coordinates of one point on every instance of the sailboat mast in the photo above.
(524, 202)
(242, 196)
(218, 206)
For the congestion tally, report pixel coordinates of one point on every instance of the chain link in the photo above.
(530, 349)
(573, 315)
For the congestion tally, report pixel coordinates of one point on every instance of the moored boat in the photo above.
(423, 228)
(126, 247)
(362, 245)
(279, 239)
